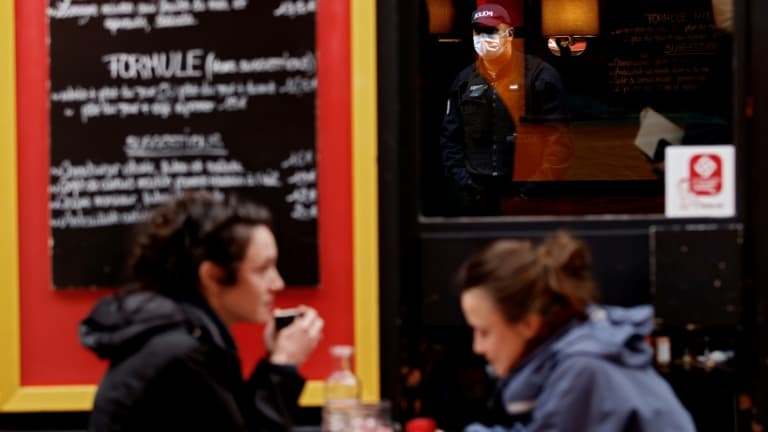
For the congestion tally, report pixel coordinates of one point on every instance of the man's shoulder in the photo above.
(466, 74)
(538, 68)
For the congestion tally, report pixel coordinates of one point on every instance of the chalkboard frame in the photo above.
(9, 264)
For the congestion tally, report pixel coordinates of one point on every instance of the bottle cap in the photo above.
(421, 424)
(342, 350)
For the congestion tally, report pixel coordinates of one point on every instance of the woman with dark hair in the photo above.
(202, 264)
(565, 363)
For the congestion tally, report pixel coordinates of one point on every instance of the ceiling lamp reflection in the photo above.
(568, 24)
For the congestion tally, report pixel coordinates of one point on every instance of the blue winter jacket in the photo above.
(593, 376)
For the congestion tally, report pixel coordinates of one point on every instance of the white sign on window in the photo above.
(700, 181)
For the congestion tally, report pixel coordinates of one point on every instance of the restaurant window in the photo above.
(566, 107)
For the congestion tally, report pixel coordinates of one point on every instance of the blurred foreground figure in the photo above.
(201, 265)
(565, 363)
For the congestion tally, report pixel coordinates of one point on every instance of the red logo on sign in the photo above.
(706, 174)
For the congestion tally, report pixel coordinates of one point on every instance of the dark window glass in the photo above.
(527, 115)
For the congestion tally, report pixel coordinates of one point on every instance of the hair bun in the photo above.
(564, 253)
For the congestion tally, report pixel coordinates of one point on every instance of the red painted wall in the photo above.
(50, 351)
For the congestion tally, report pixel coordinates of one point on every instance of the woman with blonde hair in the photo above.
(564, 362)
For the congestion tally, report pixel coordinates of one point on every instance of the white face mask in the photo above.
(488, 46)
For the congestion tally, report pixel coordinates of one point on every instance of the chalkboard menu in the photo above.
(668, 54)
(152, 97)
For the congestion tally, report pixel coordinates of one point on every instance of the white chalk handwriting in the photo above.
(146, 16)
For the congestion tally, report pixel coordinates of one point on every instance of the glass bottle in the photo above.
(342, 391)
(663, 353)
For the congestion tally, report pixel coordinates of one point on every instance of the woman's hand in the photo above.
(293, 344)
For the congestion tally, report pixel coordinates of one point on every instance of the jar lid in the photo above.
(421, 424)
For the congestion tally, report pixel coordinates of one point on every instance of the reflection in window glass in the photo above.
(559, 107)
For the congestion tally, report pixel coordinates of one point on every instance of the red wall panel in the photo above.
(50, 350)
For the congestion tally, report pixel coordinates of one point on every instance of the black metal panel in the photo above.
(397, 57)
(756, 161)
(620, 269)
(696, 275)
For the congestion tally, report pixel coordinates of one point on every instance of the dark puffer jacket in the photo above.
(174, 367)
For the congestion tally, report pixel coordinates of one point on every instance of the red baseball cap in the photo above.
(491, 15)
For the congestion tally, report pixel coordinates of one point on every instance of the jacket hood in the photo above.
(612, 333)
(119, 324)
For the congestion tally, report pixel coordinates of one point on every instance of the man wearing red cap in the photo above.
(505, 120)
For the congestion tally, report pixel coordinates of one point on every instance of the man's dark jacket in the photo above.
(479, 135)
(174, 367)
